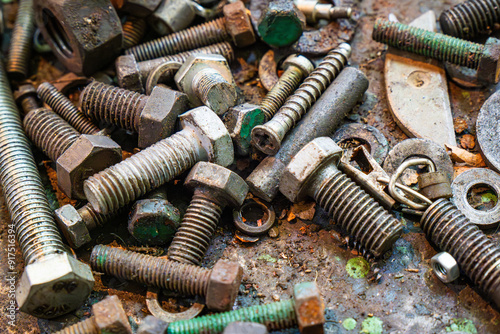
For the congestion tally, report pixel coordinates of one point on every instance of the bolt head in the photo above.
(128, 74)
(239, 121)
(138, 8)
(219, 181)
(238, 24)
(152, 325)
(304, 165)
(223, 285)
(110, 317)
(489, 63)
(172, 16)
(309, 308)
(304, 64)
(88, 155)
(72, 226)
(281, 23)
(158, 118)
(54, 285)
(24, 91)
(211, 133)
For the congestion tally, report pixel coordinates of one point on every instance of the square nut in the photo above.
(309, 308)
(238, 24)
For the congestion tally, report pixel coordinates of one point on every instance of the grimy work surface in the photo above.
(399, 294)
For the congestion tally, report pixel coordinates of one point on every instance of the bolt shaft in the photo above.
(478, 256)
(133, 31)
(150, 270)
(204, 34)
(94, 219)
(275, 316)
(428, 43)
(21, 41)
(61, 105)
(87, 326)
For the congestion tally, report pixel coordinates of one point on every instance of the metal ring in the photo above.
(405, 189)
(155, 75)
(155, 308)
(37, 43)
(254, 230)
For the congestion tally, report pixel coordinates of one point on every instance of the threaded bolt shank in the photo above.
(87, 326)
(21, 41)
(133, 31)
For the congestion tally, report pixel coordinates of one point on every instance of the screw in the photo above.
(219, 285)
(202, 138)
(268, 137)
(281, 23)
(484, 58)
(470, 18)
(477, 255)
(21, 41)
(214, 188)
(62, 106)
(313, 172)
(109, 317)
(133, 31)
(315, 11)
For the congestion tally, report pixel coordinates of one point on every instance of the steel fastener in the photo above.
(21, 41)
(281, 23)
(171, 16)
(315, 11)
(133, 30)
(445, 267)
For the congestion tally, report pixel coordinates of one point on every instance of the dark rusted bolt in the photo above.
(152, 117)
(315, 11)
(21, 41)
(214, 188)
(281, 23)
(108, 317)
(219, 285)
(133, 29)
(313, 172)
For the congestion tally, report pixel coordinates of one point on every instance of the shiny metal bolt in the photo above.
(21, 41)
(133, 31)
(315, 11)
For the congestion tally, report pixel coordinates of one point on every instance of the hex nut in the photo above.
(309, 308)
(172, 16)
(211, 133)
(223, 285)
(239, 121)
(318, 153)
(128, 73)
(110, 317)
(152, 325)
(238, 24)
(158, 118)
(240, 327)
(88, 155)
(72, 226)
(305, 65)
(220, 182)
(281, 23)
(84, 38)
(138, 8)
(445, 267)
(54, 285)
(488, 69)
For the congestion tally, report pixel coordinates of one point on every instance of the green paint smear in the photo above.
(463, 325)
(280, 30)
(253, 119)
(357, 267)
(158, 233)
(488, 197)
(372, 325)
(267, 257)
(349, 324)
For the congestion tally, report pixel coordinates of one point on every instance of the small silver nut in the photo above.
(239, 121)
(445, 267)
(72, 226)
(309, 308)
(172, 16)
(110, 317)
(128, 73)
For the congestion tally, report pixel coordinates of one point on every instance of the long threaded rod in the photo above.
(21, 41)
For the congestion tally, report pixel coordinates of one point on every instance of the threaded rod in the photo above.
(21, 41)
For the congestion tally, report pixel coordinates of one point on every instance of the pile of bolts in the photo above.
(153, 73)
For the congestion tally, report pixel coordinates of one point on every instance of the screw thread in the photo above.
(150, 270)
(214, 90)
(21, 41)
(356, 211)
(25, 196)
(193, 237)
(204, 34)
(87, 326)
(133, 31)
(62, 106)
(49, 132)
(470, 18)
(428, 43)
(478, 256)
(276, 316)
(114, 105)
(118, 185)
(93, 219)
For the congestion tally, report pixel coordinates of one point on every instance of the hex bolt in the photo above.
(108, 317)
(62, 106)
(214, 188)
(483, 58)
(26, 96)
(152, 117)
(134, 30)
(68, 285)
(476, 254)
(472, 17)
(315, 11)
(132, 74)
(281, 23)
(268, 137)
(313, 172)
(235, 26)
(21, 41)
(203, 138)
(219, 285)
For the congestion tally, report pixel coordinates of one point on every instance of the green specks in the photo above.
(357, 267)
(267, 257)
(463, 325)
(466, 95)
(372, 325)
(349, 324)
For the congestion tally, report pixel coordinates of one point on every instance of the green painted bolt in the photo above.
(281, 23)
(483, 58)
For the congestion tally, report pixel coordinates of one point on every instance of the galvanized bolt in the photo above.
(268, 137)
(313, 172)
(484, 58)
(281, 23)
(477, 255)
(315, 11)
(42, 293)
(214, 188)
(203, 138)
(219, 285)
(152, 117)
(21, 41)
(235, 25)
(468, 19)
(62, 106)
(133, 31)
(108, 317)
